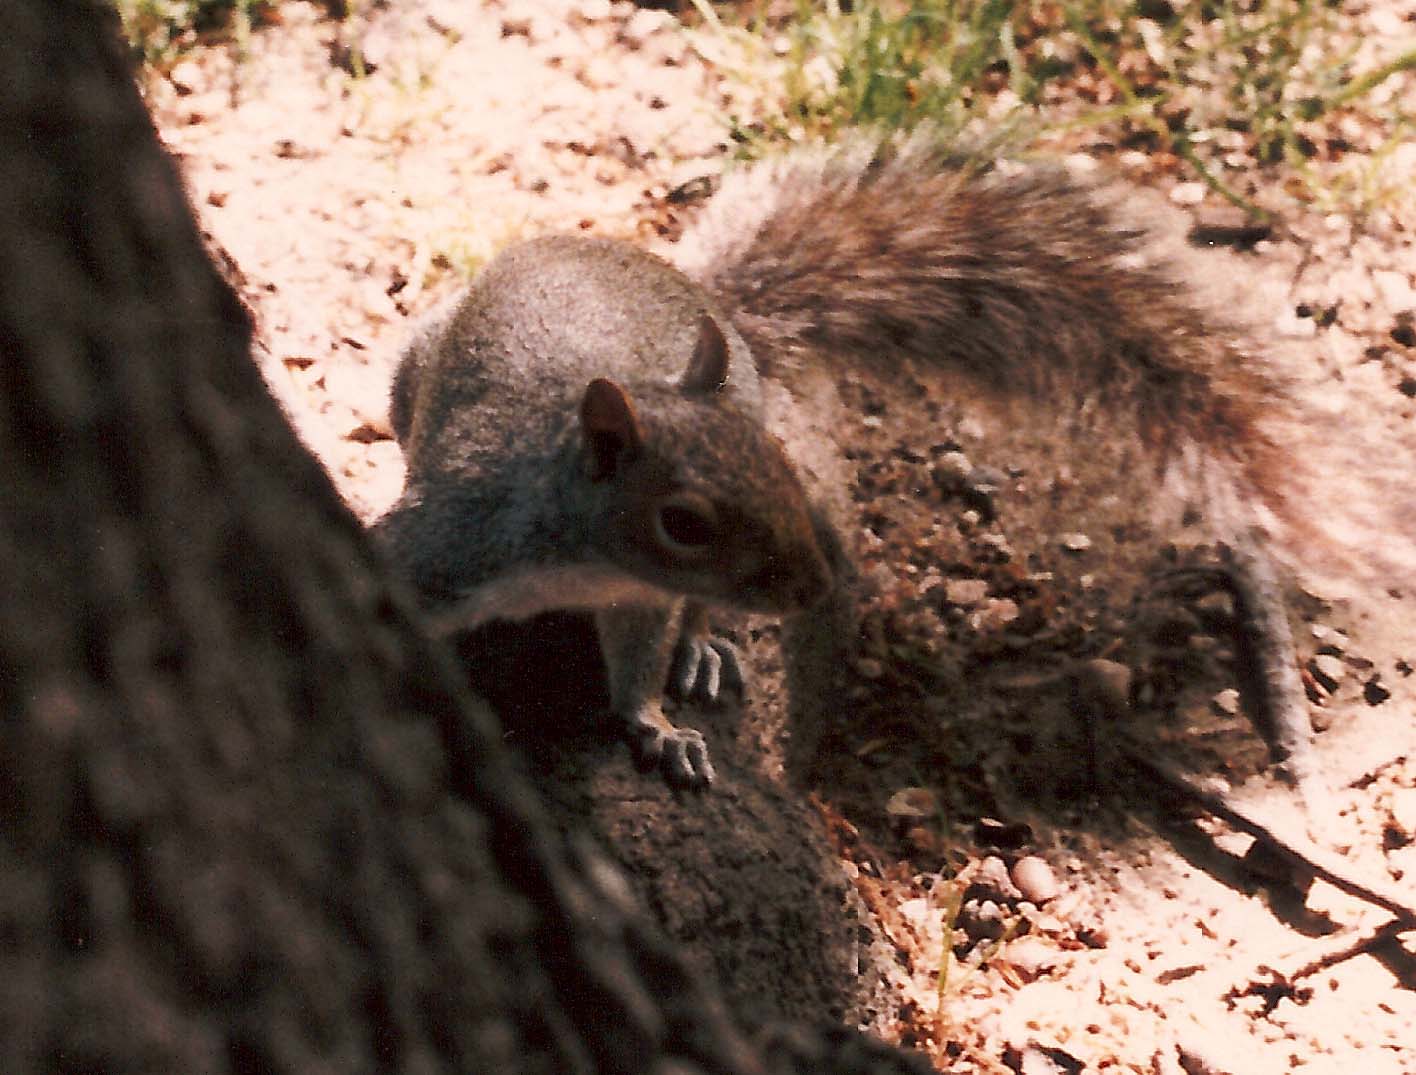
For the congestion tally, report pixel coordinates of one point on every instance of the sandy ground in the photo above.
(1102, 925)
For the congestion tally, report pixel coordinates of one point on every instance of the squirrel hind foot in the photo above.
(680, 754)
(703, 667)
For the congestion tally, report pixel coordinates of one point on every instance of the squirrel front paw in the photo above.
(679, 753)
(703, 665)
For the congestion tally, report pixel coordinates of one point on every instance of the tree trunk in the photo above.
(251, 820)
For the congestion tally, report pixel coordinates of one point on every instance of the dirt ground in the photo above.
(1089, 918)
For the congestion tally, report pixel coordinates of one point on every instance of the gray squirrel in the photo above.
(583, 430)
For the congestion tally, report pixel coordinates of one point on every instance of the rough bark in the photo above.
(249, 819)
(741, 878)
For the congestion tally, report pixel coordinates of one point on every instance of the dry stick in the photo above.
(1341, 946)
(1319, 861)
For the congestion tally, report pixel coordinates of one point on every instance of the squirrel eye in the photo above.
(685, 526)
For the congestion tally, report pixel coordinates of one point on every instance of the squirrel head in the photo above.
(696, 496)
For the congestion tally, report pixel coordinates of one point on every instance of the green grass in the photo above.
(160, 31)
(1222, 86)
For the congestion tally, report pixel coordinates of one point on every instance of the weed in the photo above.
(1224, 86)
(160, 31)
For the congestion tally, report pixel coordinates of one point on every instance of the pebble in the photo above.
(995, 614)
(643, 24)
(1187, 193)
(997, 543)
(966, 591)
(1226, 702)
(913, 804)
(1035, 879)
(917, 912)
(1031, 957)
(982, 920)
(1075, 542)
(1328, 670)
(952, 471)
(186, 77)
(990, 878)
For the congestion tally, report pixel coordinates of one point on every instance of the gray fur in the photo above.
(506, 512)
(1034, 283)
(1028, 281)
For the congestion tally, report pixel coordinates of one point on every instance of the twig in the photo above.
(1339, 947)
(1318, 861)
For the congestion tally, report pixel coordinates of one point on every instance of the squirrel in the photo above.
(583, 429)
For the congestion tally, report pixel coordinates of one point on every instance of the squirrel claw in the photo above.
(679, 753)
(702, 666)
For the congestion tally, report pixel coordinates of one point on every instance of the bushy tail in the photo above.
(1033, 283)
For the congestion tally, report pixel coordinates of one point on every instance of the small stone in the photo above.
(981, 920)
(990, 880)
(1328, 670)
(917, 912)
(1226, 702)
(1031, 957)
(1187, 193)
(1035, 879)
(1094, 933)
(985, 481)
(1075, 542)
(995, 615)
(913, 804)
(952, 472)
(967, 592)
(186, 77)
(999, 546)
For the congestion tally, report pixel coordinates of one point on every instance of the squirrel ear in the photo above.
(610, 426)
(708, 368)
